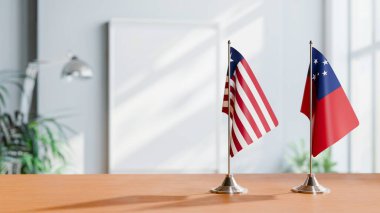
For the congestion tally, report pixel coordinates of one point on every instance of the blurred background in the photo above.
(148, 79)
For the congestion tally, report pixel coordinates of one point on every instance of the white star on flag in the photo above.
(324, 72)
(325, 62)
(315, 61)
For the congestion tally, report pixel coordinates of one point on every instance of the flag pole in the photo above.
(311, 185)
(311, 107)
(229, 110)
(229, 185)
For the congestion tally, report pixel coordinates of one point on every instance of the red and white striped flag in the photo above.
(250, 112)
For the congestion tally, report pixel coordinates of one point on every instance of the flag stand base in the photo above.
(311, 186)
(229, 186)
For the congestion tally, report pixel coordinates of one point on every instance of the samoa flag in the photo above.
(333, 116)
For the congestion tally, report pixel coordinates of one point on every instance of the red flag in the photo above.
(333, 116)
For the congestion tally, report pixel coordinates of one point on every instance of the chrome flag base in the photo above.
(229, 186)
(311, 186)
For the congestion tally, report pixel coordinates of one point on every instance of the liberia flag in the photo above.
(250, 112)
(333, 116)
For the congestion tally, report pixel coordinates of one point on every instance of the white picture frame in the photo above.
(164, 97)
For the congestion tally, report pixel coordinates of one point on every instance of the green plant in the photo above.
(29, 147)
(298, 160)
(32, 147)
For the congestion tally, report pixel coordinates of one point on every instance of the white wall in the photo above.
(272, 34)
(353, 45)
(13, 41)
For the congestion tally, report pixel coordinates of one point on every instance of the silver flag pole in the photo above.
(311, 107)
(229, 109)
(229, 185)
(311, 185)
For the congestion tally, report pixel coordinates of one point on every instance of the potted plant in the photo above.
(298, 160)
(31, 146)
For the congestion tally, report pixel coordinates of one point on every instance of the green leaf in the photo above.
(27, 160)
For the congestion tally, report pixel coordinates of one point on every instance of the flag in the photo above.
(333, 116)
(250, 112)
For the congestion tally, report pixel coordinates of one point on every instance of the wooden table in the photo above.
(185, 193)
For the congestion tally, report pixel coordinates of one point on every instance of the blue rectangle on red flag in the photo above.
(324, 78)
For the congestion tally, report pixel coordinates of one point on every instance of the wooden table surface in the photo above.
(185, 193)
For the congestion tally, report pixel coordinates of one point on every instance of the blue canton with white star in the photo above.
(236, 57)
(324, 78)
